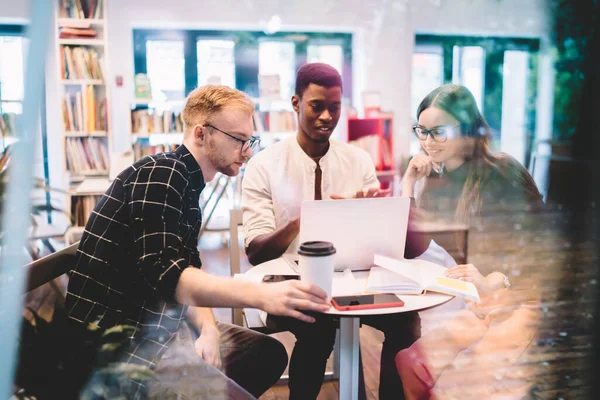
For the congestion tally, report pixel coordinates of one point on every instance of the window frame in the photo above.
(245, 53)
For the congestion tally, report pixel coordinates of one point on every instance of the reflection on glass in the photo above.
(468, 69)
(11, 74)
(326, 53)
(216, 62)
(427, 74)
(166, 69)
(278, 58)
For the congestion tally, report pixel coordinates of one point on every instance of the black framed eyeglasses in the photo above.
(439, 134)
(251, 143)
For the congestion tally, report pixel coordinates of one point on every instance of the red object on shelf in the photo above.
(375, 135)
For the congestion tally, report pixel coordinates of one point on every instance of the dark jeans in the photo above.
(314, 343)
(251, 364)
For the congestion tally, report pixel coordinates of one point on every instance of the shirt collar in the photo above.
(306, 157)
(192, 166)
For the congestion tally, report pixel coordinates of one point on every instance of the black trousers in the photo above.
(314, 344)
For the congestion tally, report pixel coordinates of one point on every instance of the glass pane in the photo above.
(468, 69)
(278, 58)
(326, 53)
(513, 137)
(166, 69)
(11, 73)
(427, 74)
(216, 62)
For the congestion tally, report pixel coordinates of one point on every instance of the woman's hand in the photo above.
(469, 273)
(419, 167)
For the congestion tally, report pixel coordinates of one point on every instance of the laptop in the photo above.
(358, 228)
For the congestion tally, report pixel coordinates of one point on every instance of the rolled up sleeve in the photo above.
(157, 207)
(257, 203)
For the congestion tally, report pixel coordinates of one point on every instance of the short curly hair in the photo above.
(205, 101)
(320, 74)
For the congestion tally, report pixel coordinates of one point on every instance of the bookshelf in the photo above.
(84, 98)
(155, 126)
(374, 135)
(272, 121)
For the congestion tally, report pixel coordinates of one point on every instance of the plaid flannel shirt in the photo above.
(140, 237)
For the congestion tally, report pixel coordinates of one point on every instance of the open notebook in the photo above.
(389, 275)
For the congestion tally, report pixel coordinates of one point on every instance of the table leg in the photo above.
(349, 347)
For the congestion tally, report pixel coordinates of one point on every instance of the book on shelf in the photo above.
(141, 150)
(83, 112)
(68, 32)
(5, 158)
(82, 207)
(8, 123)
(81, 63)
(87, 155)
(80, 9)
(414, 277)
(378, 148)
(274, 121)
(153, 121)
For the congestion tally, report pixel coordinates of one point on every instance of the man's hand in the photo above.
(207, 345)
(287, 298)
(469, 273)
(365, 193)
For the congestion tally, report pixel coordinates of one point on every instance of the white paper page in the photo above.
(385, 280)
(437, 255)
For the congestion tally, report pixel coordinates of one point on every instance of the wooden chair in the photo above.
(50, 267)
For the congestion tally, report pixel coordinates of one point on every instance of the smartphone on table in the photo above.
(366, 301)
(278, 278)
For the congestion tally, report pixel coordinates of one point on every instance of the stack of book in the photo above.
(152, 121)
(80, 62)
(87, 155)
(80, 9)
(81, 209)
(140, 150)
(274, 121)
(83, 112)
(77, 33)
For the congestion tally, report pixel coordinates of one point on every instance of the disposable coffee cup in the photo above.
(316, 264)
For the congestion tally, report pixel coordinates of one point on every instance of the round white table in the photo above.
(349, 320)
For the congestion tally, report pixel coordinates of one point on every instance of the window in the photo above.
(216, 62)
(427, 74)
(166, 69)
(331, 54)
(177, 61)
(468, 69)
(11, 74)
(278, 58)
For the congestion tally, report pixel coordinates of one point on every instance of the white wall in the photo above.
(383, 39)
(384, 35)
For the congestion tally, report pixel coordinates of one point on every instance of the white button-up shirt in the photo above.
(279, 178)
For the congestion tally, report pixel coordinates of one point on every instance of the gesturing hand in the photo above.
(365, 193)
(207, 346)
(287, 298)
